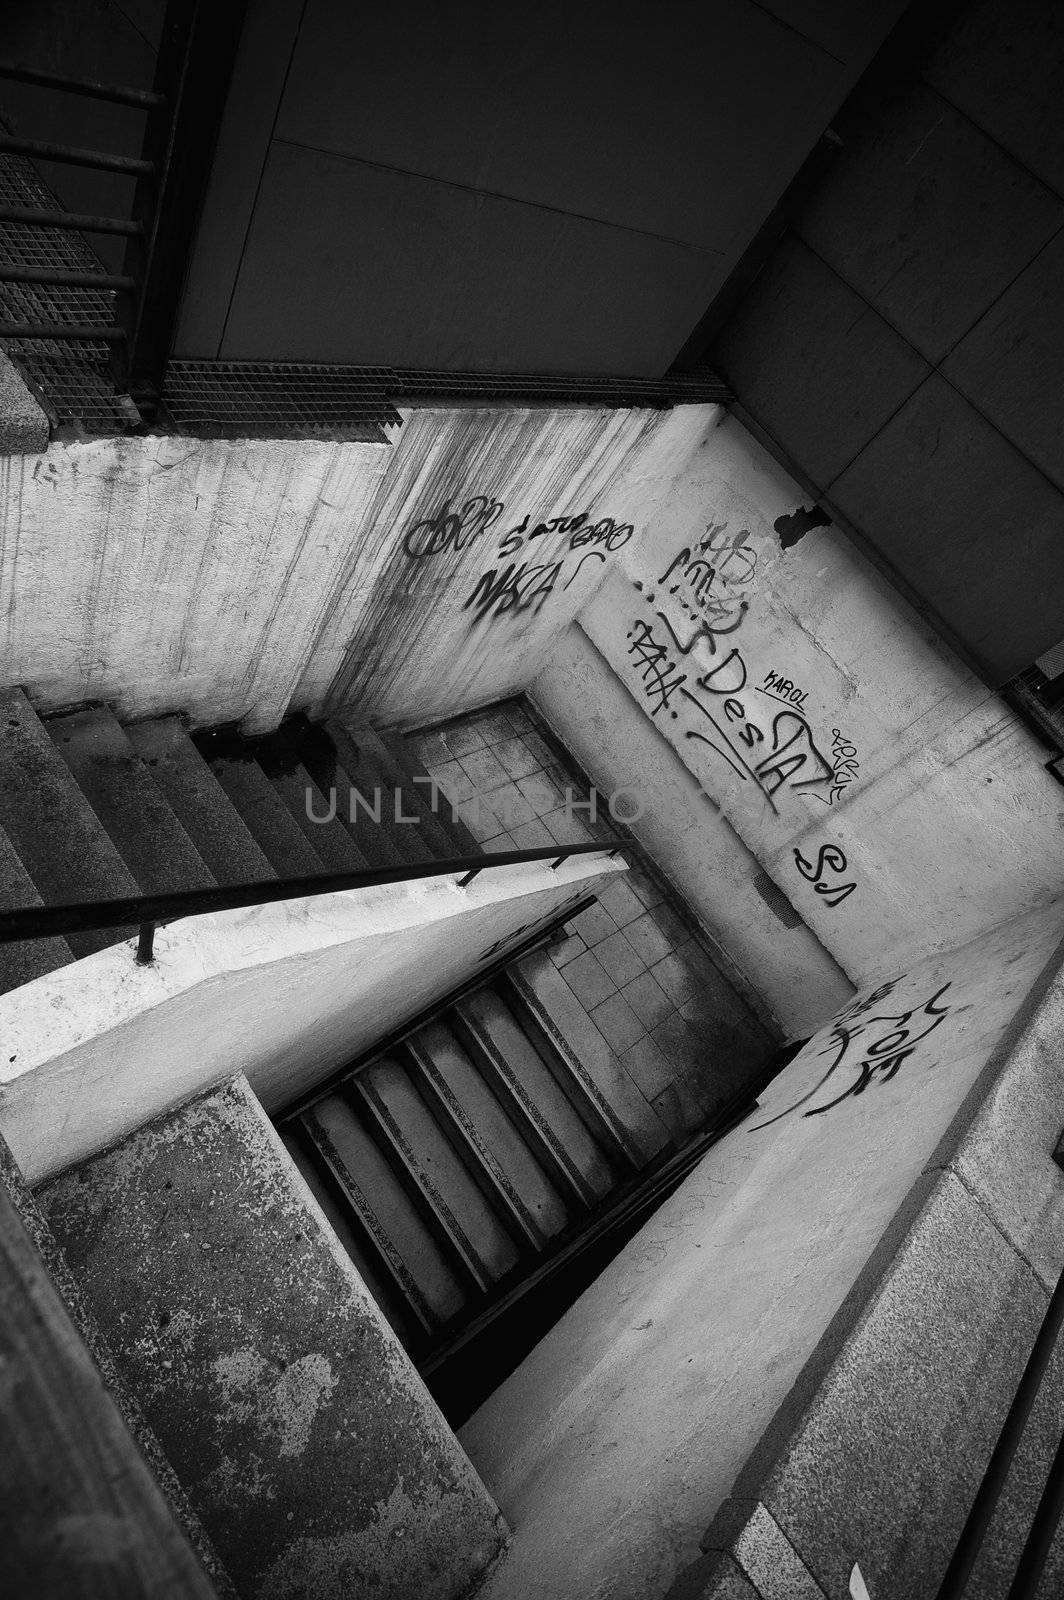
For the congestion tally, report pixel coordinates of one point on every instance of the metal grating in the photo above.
(296, 399)
(72, 381)
(279, 400)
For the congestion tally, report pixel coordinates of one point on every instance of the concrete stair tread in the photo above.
(29, 958)
(457, 837)
(549, 1005)
(426, 1149)
(515, 1180)
(359, 753)
(357, 800)
(433, 835)
(383, 1201)
(397, 1310)
(329, 839)
(490, 1031)
(53, 829)
(199, 802)
(120, 789)
(266, 817)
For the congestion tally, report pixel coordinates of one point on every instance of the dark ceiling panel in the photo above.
(1011, 365)
(927, 218)
(968, 523)
(687, 121)
(347, 262)
(814, 365)
(843, 29)
(1002, 63)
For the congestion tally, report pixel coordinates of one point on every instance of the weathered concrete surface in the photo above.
(897, 803)
(232, 579)
(585, 701)
(612, 1446)
(285, 993)
(304, 1439)
(23, 425)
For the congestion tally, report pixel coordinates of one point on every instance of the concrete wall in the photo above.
(894, 801)
(285, 993)
(611, 1448)
(904, 344)
(299, 1431)
(234, 579)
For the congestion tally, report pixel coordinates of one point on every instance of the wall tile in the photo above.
(927, 218)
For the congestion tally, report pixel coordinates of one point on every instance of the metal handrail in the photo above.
(1050, 1506)
(148, 910)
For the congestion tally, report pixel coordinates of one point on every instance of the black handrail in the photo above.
(1047, 1516)
(147, 910)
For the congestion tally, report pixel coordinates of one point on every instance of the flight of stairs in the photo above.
(473, 1155)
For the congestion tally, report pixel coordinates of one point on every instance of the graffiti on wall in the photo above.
(760, 730)
(872, 1044)
(825, 874)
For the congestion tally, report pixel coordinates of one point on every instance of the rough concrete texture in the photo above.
(285, 993)
(714, 1577)
(612, 1446)
(898, 804)
(307, 1445)
(237, 578)
(585, 701)
(23, 425)
(892, 1449)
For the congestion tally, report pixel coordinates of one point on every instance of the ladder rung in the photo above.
(117, 92)
(58, 330)
(68, 277)
(37, 217)
(74, 155)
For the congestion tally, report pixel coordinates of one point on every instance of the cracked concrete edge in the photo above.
(728, 1527)
(87, 1327)
(23, 424)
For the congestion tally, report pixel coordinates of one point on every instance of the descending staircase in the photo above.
(474, 1153)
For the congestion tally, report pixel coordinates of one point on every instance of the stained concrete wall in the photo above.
(896, 803)
(303, 1438)
(615, 1443)
(411, 579)
(285, 993)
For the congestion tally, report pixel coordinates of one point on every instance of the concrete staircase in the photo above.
(479, 1148)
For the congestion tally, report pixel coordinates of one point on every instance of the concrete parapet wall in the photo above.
(298, 1429)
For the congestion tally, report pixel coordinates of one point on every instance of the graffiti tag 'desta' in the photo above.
(708, 583)
(874, 1042)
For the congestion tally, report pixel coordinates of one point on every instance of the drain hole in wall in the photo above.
(776, 900)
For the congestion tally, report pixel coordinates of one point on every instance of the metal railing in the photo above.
(1047, 1515)
(147, 911)
(182, 113)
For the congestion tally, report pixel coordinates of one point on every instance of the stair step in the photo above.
(552, 1012)
(199, 802)
(266, 817)
(53, 829)
(331, 841)
(358, 752)
(120, 789)
(513, 1181)
(474, 1233)
(404, 1243)
(432, 833)
(373, 838)
(515, 1069)
(406, 1326)
(30, 958)
(457, 836)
